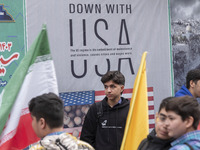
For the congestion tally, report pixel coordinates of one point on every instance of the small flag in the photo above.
(137, 126)
(34, 76)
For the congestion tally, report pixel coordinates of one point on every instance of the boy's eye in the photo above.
(112, 86)
(162, 118)
(171, 118)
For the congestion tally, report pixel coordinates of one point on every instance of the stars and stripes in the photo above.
(80, 99)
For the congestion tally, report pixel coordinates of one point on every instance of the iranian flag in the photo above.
(34, 76)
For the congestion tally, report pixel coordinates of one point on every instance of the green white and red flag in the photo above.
(34, 76)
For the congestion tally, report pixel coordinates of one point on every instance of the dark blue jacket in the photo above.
(183, 91)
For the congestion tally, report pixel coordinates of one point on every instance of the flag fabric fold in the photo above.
(137, 126)
(34, 76)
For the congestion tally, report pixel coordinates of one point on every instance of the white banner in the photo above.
(88, 38)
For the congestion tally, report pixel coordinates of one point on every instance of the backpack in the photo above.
(99, 110)
(189, 146)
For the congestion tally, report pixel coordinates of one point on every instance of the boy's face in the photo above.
(195, 88)
(113, 90)
(176, 126)
(161, 126)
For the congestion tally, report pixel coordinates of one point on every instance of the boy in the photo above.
(183, 114)
(192, 87)
(105, 132)
(47, 113)
(158, 139)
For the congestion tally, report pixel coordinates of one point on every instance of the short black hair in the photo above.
(48, 106)
(185, 106)
(164, 103)
(193, 75)
(116, 76)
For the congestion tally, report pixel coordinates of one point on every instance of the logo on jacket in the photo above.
(104, 123)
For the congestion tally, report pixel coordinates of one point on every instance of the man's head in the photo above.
(183, 115)
(193, 82)
(161, 116)
(115, 76)
(114, 84)
(47, 113)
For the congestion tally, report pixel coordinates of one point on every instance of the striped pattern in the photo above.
(99, 95)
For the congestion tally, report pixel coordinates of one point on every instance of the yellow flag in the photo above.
(137, 125)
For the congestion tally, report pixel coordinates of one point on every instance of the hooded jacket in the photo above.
(106, 132)
(182, 92)
(152, 142)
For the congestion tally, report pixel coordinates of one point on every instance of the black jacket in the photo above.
(154, 143)
(105, 133)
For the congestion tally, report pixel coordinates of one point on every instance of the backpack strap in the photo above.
(99, 110)
(189, 146)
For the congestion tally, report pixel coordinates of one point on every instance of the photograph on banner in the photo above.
(185, 33)
(76, 106)
(13, 38)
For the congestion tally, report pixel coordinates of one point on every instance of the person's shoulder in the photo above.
(180, 147)
(36, 146)
(125, 100)
(142, 144)
(65, 140)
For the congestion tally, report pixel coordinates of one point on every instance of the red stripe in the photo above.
(150, 89)
(23, 137)
(151, 107)
(151, 116)
(98, 93)
(151, 126)
(150, 98)
(127, 91)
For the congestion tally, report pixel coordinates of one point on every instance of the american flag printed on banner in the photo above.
(78, 103)
(99, 95)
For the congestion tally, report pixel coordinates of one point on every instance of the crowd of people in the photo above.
(176, 121)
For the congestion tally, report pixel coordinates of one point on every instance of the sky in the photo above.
(183, 9)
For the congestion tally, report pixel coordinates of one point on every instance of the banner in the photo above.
(13, 38)
(185, 34)
(88, 38)
(34, 76)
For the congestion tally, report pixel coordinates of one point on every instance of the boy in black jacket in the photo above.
(158, 139)
(104, 124)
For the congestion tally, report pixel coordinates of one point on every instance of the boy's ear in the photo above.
(157, 116)
(192, 83)
(189, 121)
(122, 87)
(42, 123)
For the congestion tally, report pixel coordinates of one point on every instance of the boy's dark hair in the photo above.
(193, 75)
(116, 76)
(48, 106)
(185, 107)
(164, 103)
